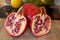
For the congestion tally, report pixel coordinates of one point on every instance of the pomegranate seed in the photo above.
(46, 19)
(17, 29)
(38, 18)
(10, 20)
(21, 20)
(13, 17)
(40, 29)
(9, 23)
(37, 24)
(13, 32)
(36, 30)
(18, 24)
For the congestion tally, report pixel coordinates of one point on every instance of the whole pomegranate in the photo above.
(30, 10)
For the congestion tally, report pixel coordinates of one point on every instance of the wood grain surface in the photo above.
(54, 34)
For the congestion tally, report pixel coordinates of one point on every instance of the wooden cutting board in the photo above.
(54, 34)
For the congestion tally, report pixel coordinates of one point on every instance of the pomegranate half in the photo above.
(15, 24)
(40, 24)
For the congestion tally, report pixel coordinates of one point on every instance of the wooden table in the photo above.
(54, 34)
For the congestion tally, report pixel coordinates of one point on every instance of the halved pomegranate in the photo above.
(40, 24)
(30, 10)
(15, 24)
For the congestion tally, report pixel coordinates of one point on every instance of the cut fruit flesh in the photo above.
(41, 24)
(16, 26)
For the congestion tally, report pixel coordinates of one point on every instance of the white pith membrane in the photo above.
(22, 27)
(43, 31)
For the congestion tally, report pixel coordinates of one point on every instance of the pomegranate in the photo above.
(40, 24)
(15, 24)
(30, 10)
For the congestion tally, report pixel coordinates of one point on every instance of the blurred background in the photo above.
(52, 7)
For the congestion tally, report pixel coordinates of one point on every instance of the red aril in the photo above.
(40, 24)
(15, 24)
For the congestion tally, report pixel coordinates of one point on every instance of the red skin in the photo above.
(19, 34)
(32, 31)
(30, 10)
